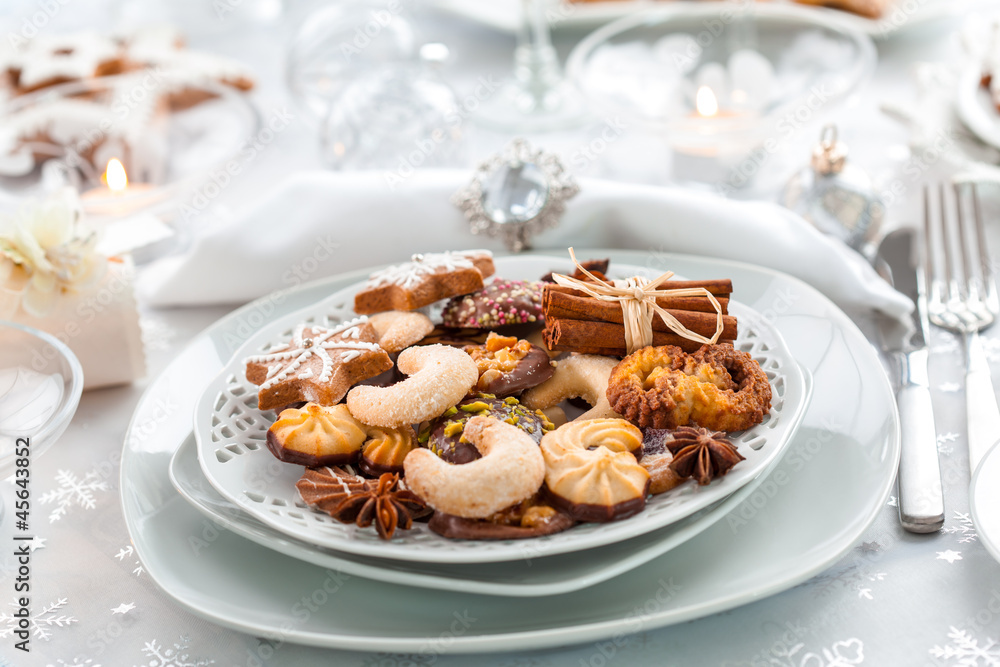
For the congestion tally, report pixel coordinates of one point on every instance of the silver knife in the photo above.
(921, 498)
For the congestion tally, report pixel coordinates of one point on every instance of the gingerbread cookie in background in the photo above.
(445, 436)
(425, 279)
(718, 387)
(50, 59)
(508, 366)
(318, 364)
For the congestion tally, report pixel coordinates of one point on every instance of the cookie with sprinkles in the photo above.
(500, 303)
(318, 365)
(426, 278)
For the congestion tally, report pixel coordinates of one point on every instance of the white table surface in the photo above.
(896, 599)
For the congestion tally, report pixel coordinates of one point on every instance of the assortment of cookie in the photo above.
(128, 123)
(449, 399)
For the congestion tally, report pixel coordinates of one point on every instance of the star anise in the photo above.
(701, 453)
(352, 499)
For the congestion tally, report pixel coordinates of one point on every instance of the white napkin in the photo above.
(316, 224)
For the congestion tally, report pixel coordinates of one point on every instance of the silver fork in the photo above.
(963, 298)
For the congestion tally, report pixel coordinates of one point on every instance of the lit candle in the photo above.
(114, 176)
(705, 102)
(116, 197)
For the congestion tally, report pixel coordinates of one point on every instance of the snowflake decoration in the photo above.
(892, 502)
(967, 650)
(950, 387)
(869, 547)
(72, 491)
(949, 555)
(123, 608)
(127, 551)
(41, 623)
(854, 578)
(844, 653)
(965, 530)
(176, 656)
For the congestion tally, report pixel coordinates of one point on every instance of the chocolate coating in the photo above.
(308, 460)
(453, 449)
(457, 528)
(500, 303)
(532, 370)
(601, 513)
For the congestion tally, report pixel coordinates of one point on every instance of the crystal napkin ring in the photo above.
(516, 194)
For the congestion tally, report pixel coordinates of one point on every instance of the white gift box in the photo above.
(101, 325)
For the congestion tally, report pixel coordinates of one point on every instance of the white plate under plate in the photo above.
(231, 431)
(976, 108)
(810, 511)
(506, 15)
(984, 501)
(532, 577)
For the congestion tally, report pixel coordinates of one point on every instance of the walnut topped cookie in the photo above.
(423, 280)
(317, 365)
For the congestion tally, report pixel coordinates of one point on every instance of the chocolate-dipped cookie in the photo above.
(530, 518)
(443, 436)
(508, 366)
(501, 303)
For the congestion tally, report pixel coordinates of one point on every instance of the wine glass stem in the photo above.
(536, 64)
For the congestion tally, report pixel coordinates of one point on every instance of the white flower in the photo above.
(43, 254)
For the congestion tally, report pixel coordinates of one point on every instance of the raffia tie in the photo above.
(637, 297)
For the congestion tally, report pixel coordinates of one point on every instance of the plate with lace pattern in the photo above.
(230, 433)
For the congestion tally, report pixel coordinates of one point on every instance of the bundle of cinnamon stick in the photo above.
(577, 322)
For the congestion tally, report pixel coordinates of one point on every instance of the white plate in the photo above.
(809, 512)
(523, 578)
(984, 501)
(231, 431)
(506, 15)
(976, 109)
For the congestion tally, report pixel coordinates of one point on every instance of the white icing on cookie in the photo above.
(302, 349)
(71, 56)
(412, 273)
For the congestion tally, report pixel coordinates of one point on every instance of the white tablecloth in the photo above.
(95, 606)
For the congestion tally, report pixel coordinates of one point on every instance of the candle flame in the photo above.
(705, 102)
(115, 175)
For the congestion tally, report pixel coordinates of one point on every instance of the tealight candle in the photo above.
(113, 199)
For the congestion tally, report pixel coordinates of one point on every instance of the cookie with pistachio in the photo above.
(444, 437)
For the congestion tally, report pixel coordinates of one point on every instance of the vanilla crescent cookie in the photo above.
(511, 470)
(439, 377)
(577, 376)
(399, 329)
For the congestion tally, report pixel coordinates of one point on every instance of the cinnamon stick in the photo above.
(607, 338)
(717, 287)
(696, 303)
(559, 305)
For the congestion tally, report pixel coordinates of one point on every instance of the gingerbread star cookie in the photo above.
(318, 365)
(423, 280)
